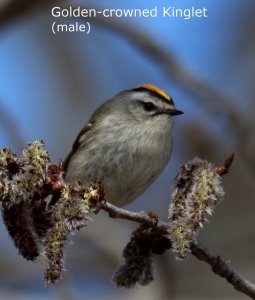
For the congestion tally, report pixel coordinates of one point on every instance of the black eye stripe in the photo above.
(148, 106)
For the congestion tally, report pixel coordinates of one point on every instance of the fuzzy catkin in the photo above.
(198, 189)
(25, 181)
(73, 211)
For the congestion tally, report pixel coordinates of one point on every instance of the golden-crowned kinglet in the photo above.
(126, 144)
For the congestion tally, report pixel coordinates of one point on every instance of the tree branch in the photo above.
(117, 212)
(25, 180)
(224, 269)
(219, 266)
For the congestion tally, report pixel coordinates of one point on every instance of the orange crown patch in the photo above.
(155, 90)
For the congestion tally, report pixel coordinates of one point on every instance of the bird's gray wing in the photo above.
(77, 143)
(79, 140)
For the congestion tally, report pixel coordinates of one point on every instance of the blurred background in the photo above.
(50, 85)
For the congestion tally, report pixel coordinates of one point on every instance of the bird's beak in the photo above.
(174, 112)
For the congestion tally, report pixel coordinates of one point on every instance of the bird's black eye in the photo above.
(148, 106)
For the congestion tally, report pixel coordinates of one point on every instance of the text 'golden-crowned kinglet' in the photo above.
(126, 144)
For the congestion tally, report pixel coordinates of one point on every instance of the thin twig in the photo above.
(224, 269)
(223, 170)
(117, 212)
(219, 266)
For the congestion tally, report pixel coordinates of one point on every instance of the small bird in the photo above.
(126, 143)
